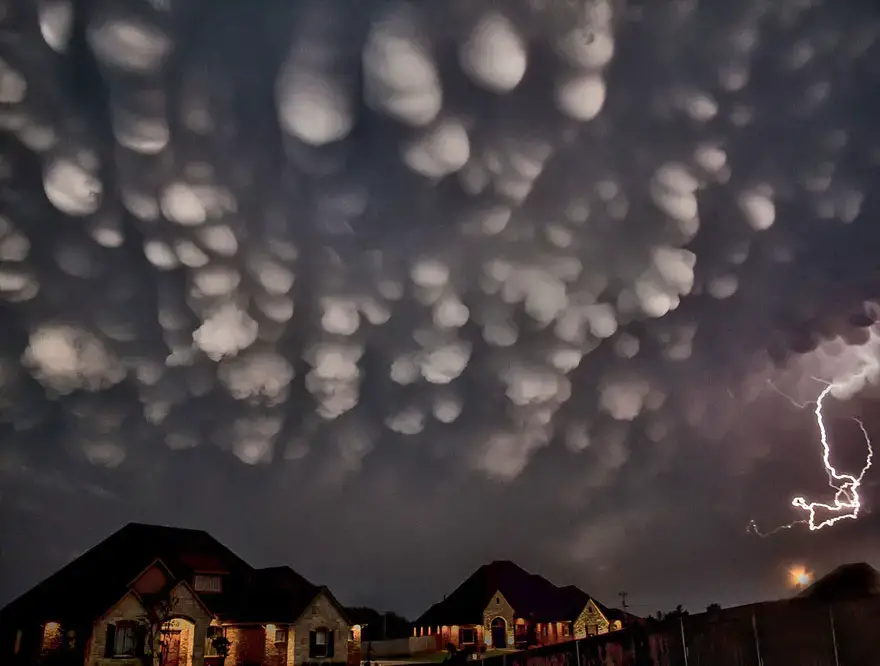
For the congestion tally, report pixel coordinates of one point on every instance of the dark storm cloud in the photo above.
(386, 292)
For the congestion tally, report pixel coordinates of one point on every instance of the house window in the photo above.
(126, 639)
(321, 643)
(213, 632)
(17, 647)
(467, 636)
(205, 583)
(565, 630)
(281, 635)
(498, 600)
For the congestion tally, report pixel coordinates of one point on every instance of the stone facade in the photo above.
(498, 607)
(322, 613)
(249, 644)
(185, 606)
(590, 622)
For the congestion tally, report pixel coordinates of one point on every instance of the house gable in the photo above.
(498, 606)
(187, 603)
(129, 607)
(323, 613)
(591, 621)
(151, 580)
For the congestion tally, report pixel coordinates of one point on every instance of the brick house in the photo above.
(503, 606)
(94, 611)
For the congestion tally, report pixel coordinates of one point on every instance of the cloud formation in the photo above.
(426, 254)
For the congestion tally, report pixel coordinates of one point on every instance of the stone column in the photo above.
(200, 634)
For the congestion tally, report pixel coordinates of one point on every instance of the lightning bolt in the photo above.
(846, 503)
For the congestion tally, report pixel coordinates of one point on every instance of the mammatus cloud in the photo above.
(446, 231)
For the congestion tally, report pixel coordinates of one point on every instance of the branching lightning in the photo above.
(846, 502)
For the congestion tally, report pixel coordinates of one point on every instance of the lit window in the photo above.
(203, 583)
(17, 648)
(281, 635)
(126, 640)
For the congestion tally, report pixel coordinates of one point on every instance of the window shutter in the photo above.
(111, 639)
(329, 644)
(312, 644)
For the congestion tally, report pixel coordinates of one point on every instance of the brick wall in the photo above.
(276, 654)
(255, 644)
(247, 645)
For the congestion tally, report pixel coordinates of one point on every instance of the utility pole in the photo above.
(623, 596)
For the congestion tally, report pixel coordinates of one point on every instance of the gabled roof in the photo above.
(846, 582)
(277, 593)
(84, 589)
(531, 595)
(90, 584)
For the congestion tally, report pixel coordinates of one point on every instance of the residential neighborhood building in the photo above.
(848, 582)
(99, 609)
(503, 606)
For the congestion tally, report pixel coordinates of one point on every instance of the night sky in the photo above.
(386, 290)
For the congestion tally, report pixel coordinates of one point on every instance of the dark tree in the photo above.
(158, 612)
(221, 646)
(378, 626)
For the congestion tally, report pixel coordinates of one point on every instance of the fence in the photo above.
(783, 633)
(399, 647)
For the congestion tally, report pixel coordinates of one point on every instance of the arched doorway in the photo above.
(499, 633)
(176, 642)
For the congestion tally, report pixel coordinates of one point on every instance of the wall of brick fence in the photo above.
(783, 633)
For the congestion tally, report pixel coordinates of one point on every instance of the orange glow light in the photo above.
(800, 577)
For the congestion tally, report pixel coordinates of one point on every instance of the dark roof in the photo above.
(530, 595)
(847, 582)
(278, 594)
(86, 588)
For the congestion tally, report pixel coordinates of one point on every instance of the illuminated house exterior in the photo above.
(504, 606)
(93, 611)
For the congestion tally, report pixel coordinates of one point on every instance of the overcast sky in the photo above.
(386, 290)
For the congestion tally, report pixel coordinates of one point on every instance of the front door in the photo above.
(171, 640)
(499, 633)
